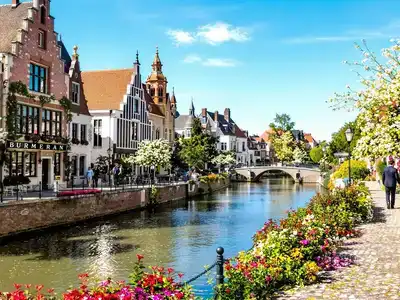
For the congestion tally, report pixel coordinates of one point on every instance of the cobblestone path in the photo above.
(376, 273)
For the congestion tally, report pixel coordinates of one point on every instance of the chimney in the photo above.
(227, 114)
(216, 116)
(35, 4)
(204, 112)
(14, 3)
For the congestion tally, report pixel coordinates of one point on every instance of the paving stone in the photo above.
(376, 272)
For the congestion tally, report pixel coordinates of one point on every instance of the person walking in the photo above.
(89, 176)
(390, 178)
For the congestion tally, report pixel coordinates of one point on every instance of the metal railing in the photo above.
(128, 183)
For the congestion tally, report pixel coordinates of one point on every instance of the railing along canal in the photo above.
(219, 277)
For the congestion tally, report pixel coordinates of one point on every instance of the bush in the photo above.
(15, 180)
(359, 170)
(316, 154)
(294, 250)
(380, 166)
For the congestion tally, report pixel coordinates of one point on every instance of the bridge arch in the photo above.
(254, 173)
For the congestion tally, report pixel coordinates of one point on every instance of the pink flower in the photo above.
(304, 242)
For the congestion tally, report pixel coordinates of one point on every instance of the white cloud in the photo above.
(181, 37)
(219, 62)
(210, 62)
(219, 32)
(193, 58)
(213, 34)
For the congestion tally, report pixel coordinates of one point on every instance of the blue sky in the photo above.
(256, 57)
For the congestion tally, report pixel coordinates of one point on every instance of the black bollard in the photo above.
(40, 190)
(220, 266)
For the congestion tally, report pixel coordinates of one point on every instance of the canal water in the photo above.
(183, 235)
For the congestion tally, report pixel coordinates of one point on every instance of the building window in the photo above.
(74, 131)
(82, 165)
(37, 78)
(42, 39)
(157, 134)
(83, 133)
(42, 15)
(57, 164)
(165, 133)
(170, 135)
(97, 139)
(23, 163)
(51, 122)
(188, 133)
(27, 119)
(74, 165)
(136, 106)
(76, 88)
(135, 131)
(243, 146)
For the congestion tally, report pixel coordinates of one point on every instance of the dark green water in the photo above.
(183, 235)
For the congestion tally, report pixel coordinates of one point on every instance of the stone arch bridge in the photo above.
(308, 175)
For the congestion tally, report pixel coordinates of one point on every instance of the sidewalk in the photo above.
(376, 273)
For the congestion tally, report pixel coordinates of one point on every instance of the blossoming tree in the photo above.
(224, 159)
(378, 102)
(283, 146)
(155, 153)
(299, 155)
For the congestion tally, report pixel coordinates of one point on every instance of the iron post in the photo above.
(220, 266)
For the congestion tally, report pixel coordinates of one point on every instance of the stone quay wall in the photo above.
(23, 216)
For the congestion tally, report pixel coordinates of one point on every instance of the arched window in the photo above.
(170, 135)
(165, 133)
(152, 92)
(160, 91)
(43, 14)
(158, 133)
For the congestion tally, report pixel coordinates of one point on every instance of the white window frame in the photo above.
(41, 41)
(77, 86)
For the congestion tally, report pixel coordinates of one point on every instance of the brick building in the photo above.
(30, 53)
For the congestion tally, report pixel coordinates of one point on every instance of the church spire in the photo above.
(137, 58)
(191, 109)
(157, 65)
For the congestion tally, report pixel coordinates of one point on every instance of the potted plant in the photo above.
(35, 138)
(46, 138)
(85, 143)
(75, 141)
(58, 139)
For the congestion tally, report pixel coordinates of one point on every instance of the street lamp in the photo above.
(349, 137)
(324, 151)
(2, 159)
(109, 151)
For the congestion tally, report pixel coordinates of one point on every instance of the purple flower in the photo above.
(304, 242)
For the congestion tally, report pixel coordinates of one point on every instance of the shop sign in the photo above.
(36, 146)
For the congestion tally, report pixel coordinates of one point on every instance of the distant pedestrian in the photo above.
(96, 177)
(390, 178)
(89, 176)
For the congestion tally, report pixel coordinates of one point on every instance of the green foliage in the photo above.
(339, 143)
(199, 149)
(154, 196)
(282, 122)
(15, 180)
(380, 167)
(284, 146)
(359, 170)
(155, 153)
(101, 165)
(316, 154)
(67, 105)
(300, 155)
(294, 250)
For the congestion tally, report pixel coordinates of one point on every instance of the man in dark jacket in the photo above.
(390, 178)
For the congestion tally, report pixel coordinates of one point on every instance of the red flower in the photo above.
(39, 287)
(50, 291)
(180, 275)
(227, 291)
(139, 257)
(170, 270)
(83, 276)
(17, 286)
(28, 286)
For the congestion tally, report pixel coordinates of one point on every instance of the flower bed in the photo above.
(157, 284)
(293, 251)
(78, 192)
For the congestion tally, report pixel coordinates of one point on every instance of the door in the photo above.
(45, 173)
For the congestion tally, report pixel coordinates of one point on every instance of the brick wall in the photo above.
(23, 216)
(26, 215)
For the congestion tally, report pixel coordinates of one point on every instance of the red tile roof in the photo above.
(239, 132)
(309, 138)
(105, 89)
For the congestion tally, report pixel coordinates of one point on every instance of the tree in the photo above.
(378, 102)
(284, 146)
(282, 122)
(224, 159)
(299, 155)
(176, 161)
(316, 154)
(155, 153)
(199, 149)
(101, 165)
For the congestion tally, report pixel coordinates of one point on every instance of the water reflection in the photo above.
(183, 235)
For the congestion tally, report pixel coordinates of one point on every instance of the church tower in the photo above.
(157, 84)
